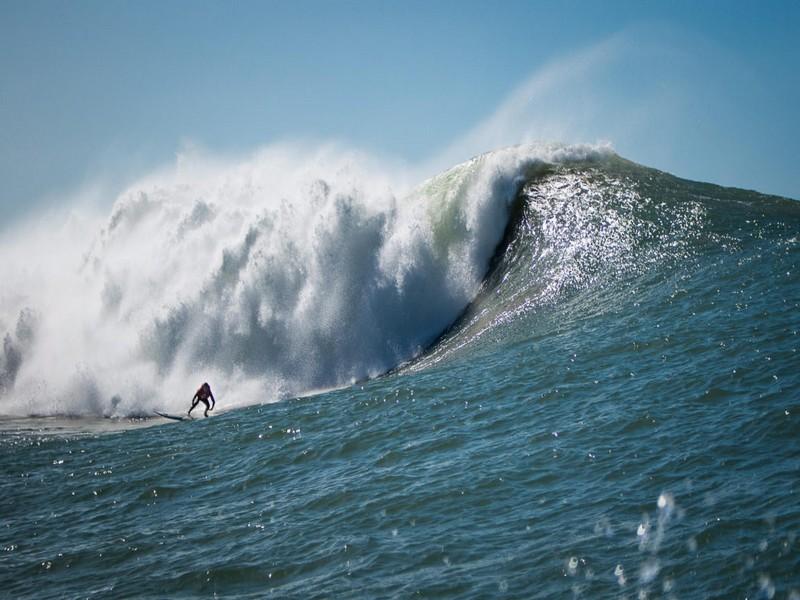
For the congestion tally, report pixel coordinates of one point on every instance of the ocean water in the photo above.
(551, 374)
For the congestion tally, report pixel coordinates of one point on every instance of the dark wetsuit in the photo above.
(202, 395)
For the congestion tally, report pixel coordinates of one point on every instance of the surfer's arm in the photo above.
(213, 401)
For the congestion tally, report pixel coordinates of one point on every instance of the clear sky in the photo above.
(106, 90)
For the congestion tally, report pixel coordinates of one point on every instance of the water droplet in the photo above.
(666, 501)
(767, 587)
(649, 571)
(572, 565)
(620, 574)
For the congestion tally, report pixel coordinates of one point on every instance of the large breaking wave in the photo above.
(287, 272)
(586, 235)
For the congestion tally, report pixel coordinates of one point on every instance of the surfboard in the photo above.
(174, 417)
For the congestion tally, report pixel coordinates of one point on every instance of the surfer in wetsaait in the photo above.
(202, 395)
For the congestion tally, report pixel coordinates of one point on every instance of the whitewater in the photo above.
(284, 273)
(545, 372)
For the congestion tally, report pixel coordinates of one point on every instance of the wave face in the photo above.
(272, 277)
(581, 232)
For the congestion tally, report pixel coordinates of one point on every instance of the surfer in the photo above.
(202, 395)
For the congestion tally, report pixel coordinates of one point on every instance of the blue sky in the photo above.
(105, 91)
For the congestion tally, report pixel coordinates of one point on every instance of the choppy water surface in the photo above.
(614, 416)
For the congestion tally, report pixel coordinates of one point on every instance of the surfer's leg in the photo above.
(207, 407)
(194, 403)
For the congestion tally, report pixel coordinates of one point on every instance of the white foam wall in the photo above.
(288, 271)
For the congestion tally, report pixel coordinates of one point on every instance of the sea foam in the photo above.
(288, 271)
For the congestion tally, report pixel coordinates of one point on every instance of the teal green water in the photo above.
(615, 416)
